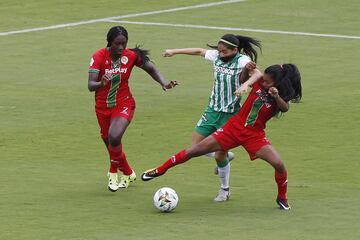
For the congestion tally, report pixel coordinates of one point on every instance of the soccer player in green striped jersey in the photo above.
(233, 59)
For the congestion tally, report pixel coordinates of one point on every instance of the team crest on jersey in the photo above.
(106, 62)
(91, 61)
(124, 60)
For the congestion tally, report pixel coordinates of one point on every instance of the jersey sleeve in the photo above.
(256, 86)
(243, 60)
(95, 64)
(139, 61)
(211, 55)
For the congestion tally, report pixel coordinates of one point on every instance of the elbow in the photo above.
(90, 88)
(257, 73)
(284, 109)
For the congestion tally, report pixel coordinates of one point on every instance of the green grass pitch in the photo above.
(53, 163)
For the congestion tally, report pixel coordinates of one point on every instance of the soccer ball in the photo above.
(165, 199)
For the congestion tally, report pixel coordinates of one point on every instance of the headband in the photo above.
(227, 42)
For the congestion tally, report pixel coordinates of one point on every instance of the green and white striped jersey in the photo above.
(226, 81)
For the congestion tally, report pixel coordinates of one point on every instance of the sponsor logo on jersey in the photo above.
(264, 97)
(124, 60)
(116, 70)
(224, 70)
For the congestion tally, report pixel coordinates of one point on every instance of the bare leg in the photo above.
(116, 131)
(269, 154)
(196, 138)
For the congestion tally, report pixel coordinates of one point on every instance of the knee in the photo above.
(220, 156)
(279, 166)
(115, 139)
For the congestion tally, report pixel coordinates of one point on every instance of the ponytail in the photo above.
(287, 80)
(244, 44)
(142, 53)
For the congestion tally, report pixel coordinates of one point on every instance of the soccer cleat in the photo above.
(113, 182)
(126, 180)
(283, 204)
(132, 176)
(230, 157)
(150, 174)
(223, 195)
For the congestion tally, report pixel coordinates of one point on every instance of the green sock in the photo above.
(223, 163)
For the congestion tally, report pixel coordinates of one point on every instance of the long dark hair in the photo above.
(287, 80)
(244, 44)
(120, 30)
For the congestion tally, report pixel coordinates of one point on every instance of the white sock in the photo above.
(224, 176)
(212, 154)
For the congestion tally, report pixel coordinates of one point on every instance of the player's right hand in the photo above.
(168, 53)
(105, 79)
(241, 90)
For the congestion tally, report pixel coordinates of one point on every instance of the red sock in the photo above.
(281, 181)
(124, 165)
(178, 158)
(115, 155)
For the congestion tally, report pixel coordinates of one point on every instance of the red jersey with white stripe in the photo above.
(257, 110)
(117, 89)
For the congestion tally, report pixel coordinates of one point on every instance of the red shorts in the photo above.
(124, 109)
(232, 135)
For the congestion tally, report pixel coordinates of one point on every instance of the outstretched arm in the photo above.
(150, 68)
(186, 51)
(255, 75)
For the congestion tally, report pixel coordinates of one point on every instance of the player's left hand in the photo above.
(274, 92)
(250, 66)
(170, 85)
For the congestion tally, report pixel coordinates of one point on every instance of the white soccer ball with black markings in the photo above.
(166, 199)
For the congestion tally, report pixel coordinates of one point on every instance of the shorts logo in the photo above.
(125, 111)
(124, 60)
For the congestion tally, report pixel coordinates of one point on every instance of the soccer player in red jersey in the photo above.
(109, 72)
(270, 95)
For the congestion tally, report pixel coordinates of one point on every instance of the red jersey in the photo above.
(257, 110)
(118, 89)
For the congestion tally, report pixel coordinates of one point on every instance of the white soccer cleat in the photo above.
(222, 196)
(113, 182)
(132, 176)
(126, 180)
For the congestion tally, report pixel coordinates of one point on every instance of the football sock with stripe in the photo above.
(281, 181)
(176, 159)
(224, 174)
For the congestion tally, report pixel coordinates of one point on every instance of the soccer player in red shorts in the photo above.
(109, 72)
(270, 95)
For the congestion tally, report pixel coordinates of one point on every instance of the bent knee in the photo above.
(279, 166)
(115, 139)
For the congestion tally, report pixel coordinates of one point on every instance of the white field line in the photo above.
(205, 5)
(238, 29)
